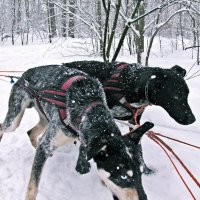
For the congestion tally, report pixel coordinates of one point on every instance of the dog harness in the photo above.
(56, 97)
(113, 85)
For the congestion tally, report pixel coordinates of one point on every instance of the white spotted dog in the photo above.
(72, 105)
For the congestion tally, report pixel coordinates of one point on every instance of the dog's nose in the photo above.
(190, 119)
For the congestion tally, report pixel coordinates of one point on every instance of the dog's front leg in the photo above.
(38, 163)
(43, 151)
(82, 165)
(146, 170)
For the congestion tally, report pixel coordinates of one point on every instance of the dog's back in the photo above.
(49, 76)
(97, 69)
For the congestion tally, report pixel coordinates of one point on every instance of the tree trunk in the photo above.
(71, 30)
(99, 20)
(19, 16)
(27, 7)
(64, 19)
(130, 43)
(139, 40)
(106, 27)
(51, 20)
(193, 31)
(13, 23)
(198, 48)
(110, 40)
(181, 30)
(124, 33)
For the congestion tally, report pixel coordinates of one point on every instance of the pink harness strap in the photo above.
(119, 67)
(63, 114)
(58, 103)
(69, 82)
(110, 84)
(122, 66)
(112, 88)
(66, 85)
(53, 92)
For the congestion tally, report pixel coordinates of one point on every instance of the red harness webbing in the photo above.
(108, 84)
(62, 110)
(112, 84)
(61, 103)
(40, 95)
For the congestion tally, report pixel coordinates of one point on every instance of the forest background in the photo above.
(107, 27)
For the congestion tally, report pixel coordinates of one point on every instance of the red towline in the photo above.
(154, 136)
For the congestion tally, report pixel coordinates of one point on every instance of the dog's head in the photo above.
(118, 163)
(168, 89)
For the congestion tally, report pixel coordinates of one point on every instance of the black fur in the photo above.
(163, 87)
(87, 112)
(143, 85)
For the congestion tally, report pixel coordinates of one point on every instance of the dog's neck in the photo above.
(137, 84)
(95, 122)
(81, 113)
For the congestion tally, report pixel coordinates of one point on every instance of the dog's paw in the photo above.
(83, 167)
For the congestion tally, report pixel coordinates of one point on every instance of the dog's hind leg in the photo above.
(37, 130)
(18, 102)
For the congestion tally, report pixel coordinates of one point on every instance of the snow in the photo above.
(153, 76)
(59, 180)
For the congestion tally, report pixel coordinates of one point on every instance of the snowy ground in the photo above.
(59, 180)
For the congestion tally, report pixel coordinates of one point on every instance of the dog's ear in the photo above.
(179, 70)
(95, 146)
(136, 135)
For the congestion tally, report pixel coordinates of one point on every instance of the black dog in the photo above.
(134, 84)
(72, 105)
(129, 87)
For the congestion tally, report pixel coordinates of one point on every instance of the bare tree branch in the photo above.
(121, 41)
(80, 18)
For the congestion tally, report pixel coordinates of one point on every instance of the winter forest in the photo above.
(108, 25)
(153, 33)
